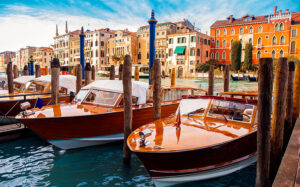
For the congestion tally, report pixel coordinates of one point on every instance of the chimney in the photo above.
(280, 12)
(231, 18)
(286, 10)
(67, 27)
(56, 30)
(275, 10)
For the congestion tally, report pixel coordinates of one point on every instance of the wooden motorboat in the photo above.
(252, 78)
(3, 81)
(19, 84)
(96, 115)
(209, 137)
(241, 94)
(237, 77)
(28, 88)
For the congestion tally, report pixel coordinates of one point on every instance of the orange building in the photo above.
(273, 36)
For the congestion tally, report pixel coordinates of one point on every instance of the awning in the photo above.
(179, 50)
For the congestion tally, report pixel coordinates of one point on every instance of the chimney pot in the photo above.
(280, 11)
(286, 10)
(275, 10)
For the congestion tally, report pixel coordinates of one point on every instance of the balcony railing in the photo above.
(180, 57)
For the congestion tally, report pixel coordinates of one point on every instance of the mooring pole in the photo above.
(93, 73)
(288, 122)
(78, 77)
(30, 66)
(82, 35)
(88, 74)
(264, 109)
(25, 70)
(296, 97)
(55, 81)
(37, 71)
(152, 22)
(112, 73)
(226, 78)
(46, 70)
(121, 72)
(211, 80)
(136, 73)
(173, 77)
(16, 71)
(156, 89)
(127, 88)
(10, 78)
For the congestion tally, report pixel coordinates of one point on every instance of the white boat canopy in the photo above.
(24, 79)
(66, 81)
(139, 89)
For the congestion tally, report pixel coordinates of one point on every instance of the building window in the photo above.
(171, 52)
(260, 29)
(232, 32)
(259, 42)
(250, 40)
(192, 51)
(217, 55)
(282, 40)
(281, 26)
(293, 47)
(218, 44)
(206, 53)
(217, 32)
(294, 33)
(273, 55)
(208, 42)
(193, 38)
(157, 33)
(276, 27)
(281, 53)
(274, 40)
(224, 44)
(198, 52)
(170, 40)
(205, 41)
(258, 56)
(139, 56)
(224, 55)
(212, 55)
(148, 55)
(250, 30)
(231, 42)
(241, 30)
(224, 32)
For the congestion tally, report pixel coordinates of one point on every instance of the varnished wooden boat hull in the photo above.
(167, 166)
(93, 126)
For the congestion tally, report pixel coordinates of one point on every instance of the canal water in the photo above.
(31, 161)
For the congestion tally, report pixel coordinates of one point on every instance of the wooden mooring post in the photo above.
(55, 71)
(10, 78)
(112, 73)
(127, 88)
(156, 89)
(37, 71)
(88, 74)
(226, 77)
(211, 80)
(46, 70)
(78, 77)
(25, 70)
(173, 77)
(120, 71)
(264, 109)
(136, 73)
(93, 73)
(296, 96)
(16, 72)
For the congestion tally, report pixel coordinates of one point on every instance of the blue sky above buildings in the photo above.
(32, 22)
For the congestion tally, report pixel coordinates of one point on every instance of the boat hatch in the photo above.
(100, 97)
(230, 110)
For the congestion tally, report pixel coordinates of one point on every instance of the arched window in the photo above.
(224, 55)
(250, 30)
(276, 27)
(274, 40)
(212, 56)
(258, 56)
(224, 44)
(218, 44)
(259, 42)
(218, 32)
(260, 29)
(293, 47)
(224, 32)
(232, 32)
(281, 26)
(281, 53)
(250, 40)
(282, 40)
(273, 54)
(231, 42)
(241, 30)
(217, 55)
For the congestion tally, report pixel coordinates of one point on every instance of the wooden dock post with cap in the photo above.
(78, 77)
(55, 69)
(264, 109)
(136, 73)
(226, 78)
(88, 74)
(37, 71)
(296, 96)
(211, 80)
(25, 70)
(112, 73)
(10, 78)
(121, 72)
(173, 77)
(16, 71)
(93, 73)
(127, 88)
(156, 89)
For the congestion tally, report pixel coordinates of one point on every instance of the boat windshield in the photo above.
(81, 95)
(193, 106)
(17, 87)
(36, 86)
(230, 110)
(100, 97)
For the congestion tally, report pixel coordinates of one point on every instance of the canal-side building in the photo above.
(23, 55)
(74, 50)
(5, 57)
(42, 56)
(273, 35)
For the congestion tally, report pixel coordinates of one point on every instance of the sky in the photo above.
(33, 22)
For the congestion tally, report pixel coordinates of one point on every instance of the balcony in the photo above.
(180, 57)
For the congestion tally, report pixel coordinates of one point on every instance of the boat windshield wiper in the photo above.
(200, 109)
(225, 117)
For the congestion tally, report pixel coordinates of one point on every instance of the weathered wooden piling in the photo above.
(296, 97)
(156, 89)
(127, 88)
(226, 78)
(264, 109)
(278, 111)
(55, 69)
(93, 73)
(46, 70)
(121, 72)
(88, 74)
(136, 73)
(25, 70)
(37, 71)
(173, 76)
(10, 78)
(288, 122)
(211, 80)
(16, 71)
(78, 77)
(112, 73)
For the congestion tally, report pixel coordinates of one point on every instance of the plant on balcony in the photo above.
(247, 65)
(236, 53)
